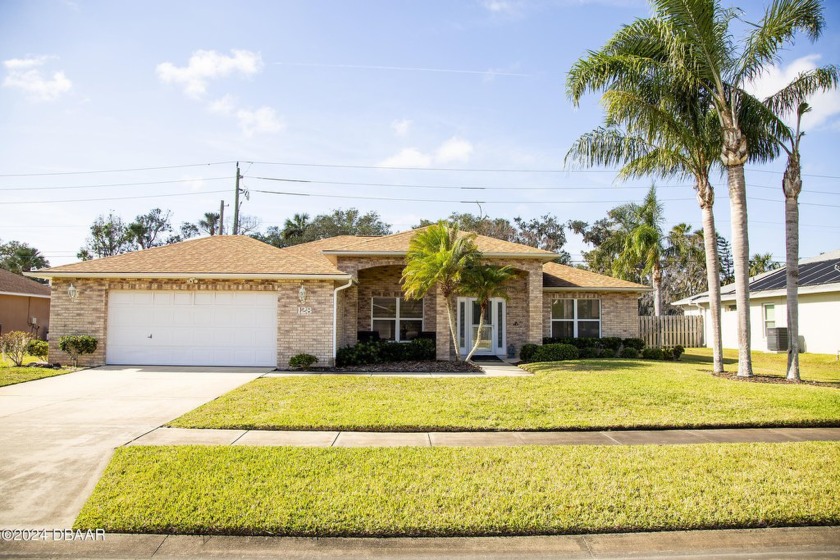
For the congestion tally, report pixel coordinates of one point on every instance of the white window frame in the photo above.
(574, 320)
(764, 316)
(398, 318)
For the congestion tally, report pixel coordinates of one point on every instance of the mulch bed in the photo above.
(405, 367)
(774, 379)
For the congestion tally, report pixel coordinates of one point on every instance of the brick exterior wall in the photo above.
(619, 312)
(296, 334)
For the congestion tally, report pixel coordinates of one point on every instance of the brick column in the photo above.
(535, 303)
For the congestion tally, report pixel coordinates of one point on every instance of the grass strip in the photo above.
(574, 395)
(465, 491)
(12, 375)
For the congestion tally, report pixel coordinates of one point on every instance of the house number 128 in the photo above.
(304, 310)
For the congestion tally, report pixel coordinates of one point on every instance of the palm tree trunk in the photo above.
(792, 186)
(740, 253)
(706, 197)
(452, 330)
(478, 336)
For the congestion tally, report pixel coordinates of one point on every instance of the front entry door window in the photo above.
(492, 340)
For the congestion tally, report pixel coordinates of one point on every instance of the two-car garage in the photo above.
(192, 328)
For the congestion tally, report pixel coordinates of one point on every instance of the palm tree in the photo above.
(762, 262)
(296, 226)
(484, 282)
(26, 259)
(690, 42)
(210, 222)
(678, 137)
(643, 246)
(788, 100)
(438, 257)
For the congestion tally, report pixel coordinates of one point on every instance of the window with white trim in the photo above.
(769, 317)
(397, 319)
(576, 318)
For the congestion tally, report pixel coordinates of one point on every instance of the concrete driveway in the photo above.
(57, 434)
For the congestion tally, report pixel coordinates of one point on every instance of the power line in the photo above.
(112, 198)
(99, 186)
(115, 170)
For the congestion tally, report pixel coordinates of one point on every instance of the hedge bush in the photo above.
(76, 345)
(629, 352)
(526, 353)
(38, 348)
(653, 354)
(636, 343)
(302, 361)
(555, 353)
(614, 343)
(380, 351)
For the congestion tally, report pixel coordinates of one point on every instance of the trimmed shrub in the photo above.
(379, 351)
(586, 353)
(38, 348)
(629, 352)
(555, 353)
(14, 344)
(678, 351)
(302, 361)
(636, 343)
(668, 354)
(526, 353)
(611, 342)
(77, 345)
(653, 354)
(608, 353)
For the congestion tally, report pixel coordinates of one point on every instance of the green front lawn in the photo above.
(579, 394)
(11, 375)
(464, 491)
(824, 368)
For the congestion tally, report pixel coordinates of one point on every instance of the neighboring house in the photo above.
(234, 301)
(819, 307)
(24, 305)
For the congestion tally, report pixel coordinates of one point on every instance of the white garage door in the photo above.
(192, 328)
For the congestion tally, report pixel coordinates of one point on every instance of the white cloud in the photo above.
(260, 121)
(204, 66)
(25, 74)
(509, 7)
(401, 127)
(454, 150)
(409, 157)
(223, 106)
(824, 104)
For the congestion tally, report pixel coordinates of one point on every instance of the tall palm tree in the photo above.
(643, 249)
(690, 42)
(438, 257)
(792, 99)
(679, 137)
(295, 226)
(484, 282)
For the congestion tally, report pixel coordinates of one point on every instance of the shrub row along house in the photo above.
(235, 301)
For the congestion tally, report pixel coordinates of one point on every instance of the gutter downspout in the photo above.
(335, 317)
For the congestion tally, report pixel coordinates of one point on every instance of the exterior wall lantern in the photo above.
(302, 294)
(72, 292)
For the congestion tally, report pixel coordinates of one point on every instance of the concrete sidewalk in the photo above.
(181, 436)
(803, 542)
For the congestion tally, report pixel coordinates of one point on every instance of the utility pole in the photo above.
(236, 203)
(222, 218)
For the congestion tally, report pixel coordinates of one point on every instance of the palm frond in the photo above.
(786, 101)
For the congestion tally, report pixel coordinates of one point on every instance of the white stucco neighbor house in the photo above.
(819, 308)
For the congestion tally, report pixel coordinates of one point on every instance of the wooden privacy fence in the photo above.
(670, 330)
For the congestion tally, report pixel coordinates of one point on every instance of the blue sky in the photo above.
(467, 85)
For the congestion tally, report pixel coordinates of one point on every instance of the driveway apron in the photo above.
(57, 434)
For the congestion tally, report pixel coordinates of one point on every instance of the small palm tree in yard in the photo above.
(485, 282)
(438, 258)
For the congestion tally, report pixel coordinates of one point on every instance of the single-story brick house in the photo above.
(235, 301)
(24, 305)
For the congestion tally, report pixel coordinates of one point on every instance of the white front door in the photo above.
(493, 335)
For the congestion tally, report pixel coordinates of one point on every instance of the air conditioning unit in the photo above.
(777, 339)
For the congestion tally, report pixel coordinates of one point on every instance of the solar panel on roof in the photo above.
(810, 274)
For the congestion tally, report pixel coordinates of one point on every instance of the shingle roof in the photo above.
(218, 254)
(11, 283)
(562, 276)
(398, 243)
